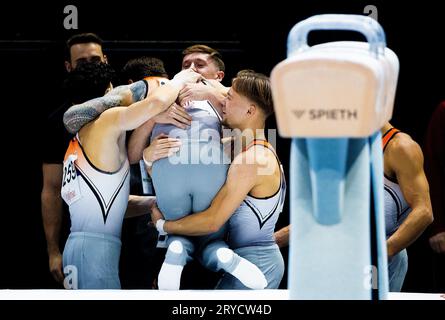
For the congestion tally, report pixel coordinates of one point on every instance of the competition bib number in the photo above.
(70, 184)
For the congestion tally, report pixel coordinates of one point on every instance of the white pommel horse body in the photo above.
(333, 99)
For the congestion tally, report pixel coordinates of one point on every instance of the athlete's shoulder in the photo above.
(264, 156)
(402, 143)
(257, 157)
(403, 150)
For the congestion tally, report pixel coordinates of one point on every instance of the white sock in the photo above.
(169, 277)
(246, 272)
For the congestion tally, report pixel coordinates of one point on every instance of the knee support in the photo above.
(227, 259)
(176, 254)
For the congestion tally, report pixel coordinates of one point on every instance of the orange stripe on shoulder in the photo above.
(258, 142)
(388, 136)
(151, 78)
(72, 148)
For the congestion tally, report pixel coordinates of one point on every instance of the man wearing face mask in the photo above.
(80, 48)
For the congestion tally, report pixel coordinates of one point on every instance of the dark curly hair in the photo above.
(88, 81)
(139, 68)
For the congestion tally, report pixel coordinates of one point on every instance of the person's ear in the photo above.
(252, 110)
(219, 75)
(68, 66)
(105, 59)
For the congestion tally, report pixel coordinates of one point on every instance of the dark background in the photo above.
(248, 34)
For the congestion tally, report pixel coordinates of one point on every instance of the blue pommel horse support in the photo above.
(333, 99)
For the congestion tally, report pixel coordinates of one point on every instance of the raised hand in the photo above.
(185, 76)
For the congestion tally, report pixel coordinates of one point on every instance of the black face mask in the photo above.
(88, 81)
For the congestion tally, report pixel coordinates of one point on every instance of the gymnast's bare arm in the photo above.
(405, 159)
(129, 118)
(79, 115)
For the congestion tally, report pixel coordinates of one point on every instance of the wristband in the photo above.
(160, 226)
(149, 164)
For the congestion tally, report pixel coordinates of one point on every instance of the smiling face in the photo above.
(203, 64)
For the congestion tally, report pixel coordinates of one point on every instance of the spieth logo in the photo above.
(326, 114)
(299, 113)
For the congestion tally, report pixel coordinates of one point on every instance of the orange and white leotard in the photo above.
(100, 198)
